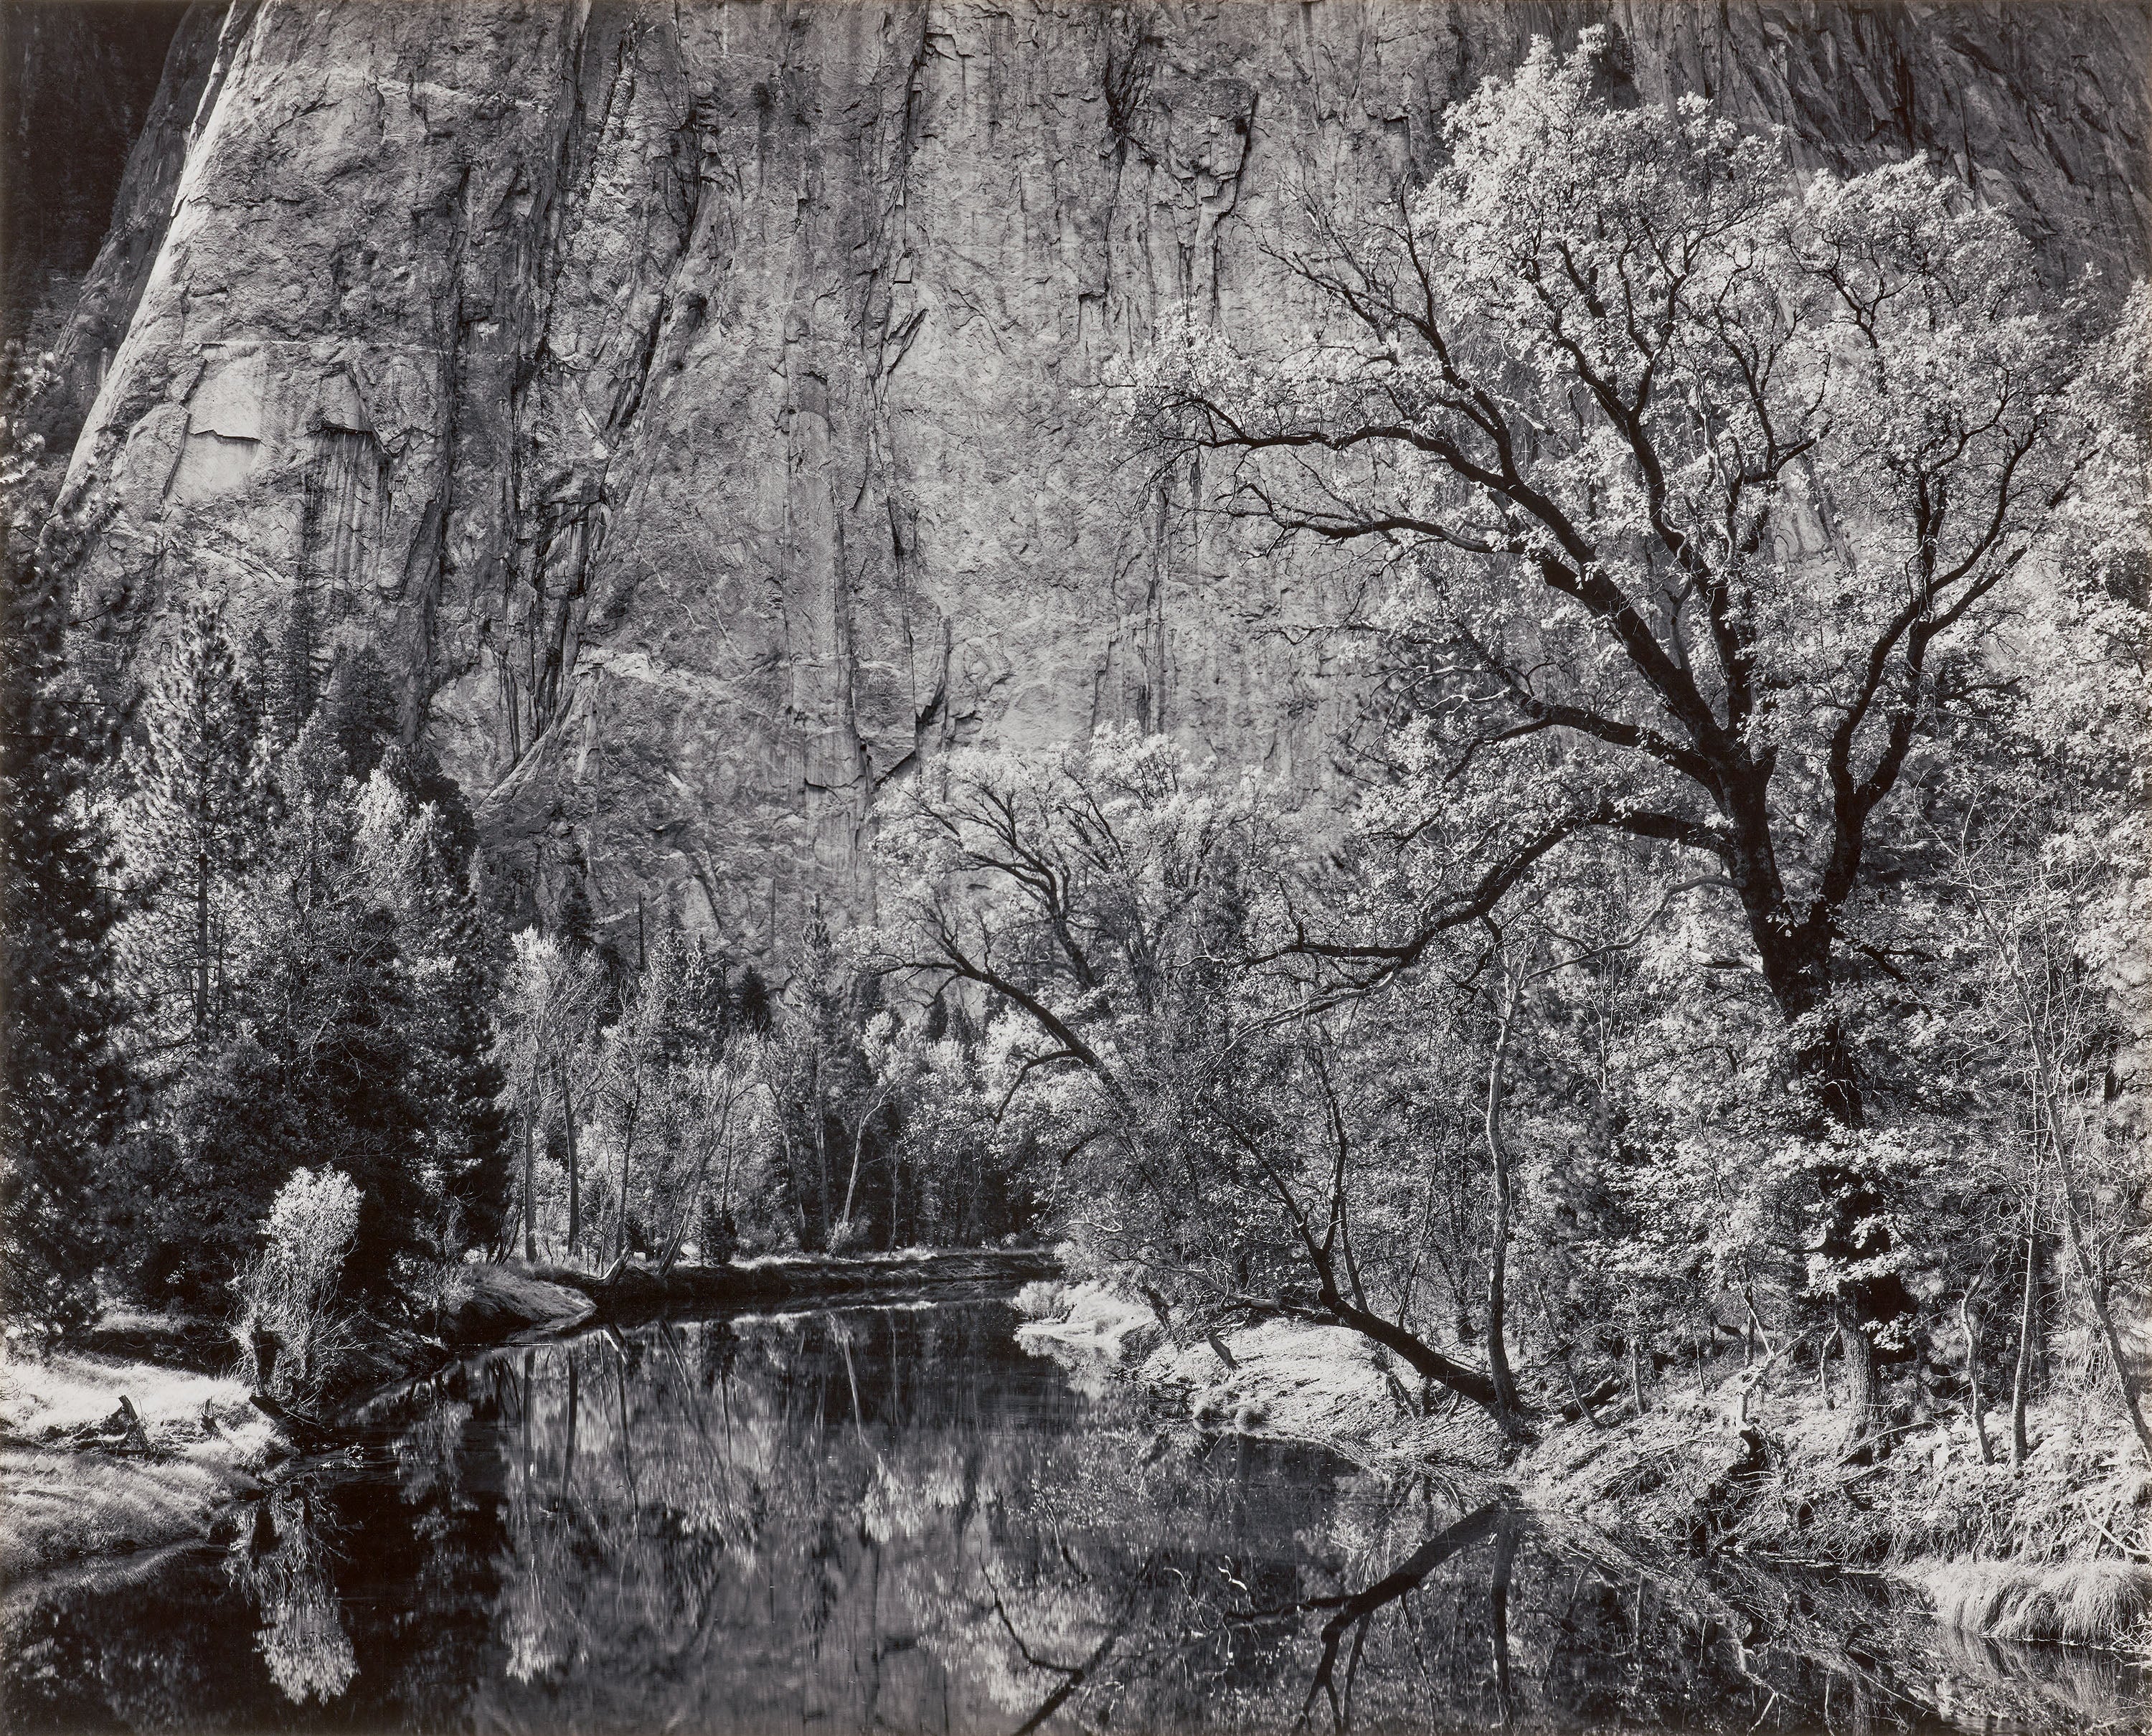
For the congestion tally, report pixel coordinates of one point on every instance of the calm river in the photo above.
(893, 1519)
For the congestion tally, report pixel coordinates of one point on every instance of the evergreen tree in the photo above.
(61, 1086)
(452, 954)
(292, 694)
(355, 723)
(576, 922)
(324, 1062)
(196, 820)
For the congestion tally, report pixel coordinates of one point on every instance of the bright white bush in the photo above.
(290, 1288)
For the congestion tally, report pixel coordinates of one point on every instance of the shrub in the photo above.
(1043, 1299)
(290, 1291)
(719, 1236)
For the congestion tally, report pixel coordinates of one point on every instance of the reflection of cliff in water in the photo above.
(891, 1519)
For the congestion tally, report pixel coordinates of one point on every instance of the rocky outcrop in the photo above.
(489, 1305)
(706, 409)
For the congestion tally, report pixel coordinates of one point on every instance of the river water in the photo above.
(896, 1520)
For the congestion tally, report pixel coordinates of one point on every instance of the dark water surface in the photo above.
(895, 1520)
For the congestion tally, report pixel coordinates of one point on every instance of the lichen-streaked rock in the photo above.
(700, 406)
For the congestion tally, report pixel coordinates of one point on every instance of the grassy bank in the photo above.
(83, 1479)
(2055, 1549)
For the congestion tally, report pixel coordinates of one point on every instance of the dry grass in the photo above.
(2077, 1603)
(71, 1494)
(43, 1398)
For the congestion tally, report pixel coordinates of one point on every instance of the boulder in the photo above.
(499, 1304)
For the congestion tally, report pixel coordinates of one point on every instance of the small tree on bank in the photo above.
(291, 1324)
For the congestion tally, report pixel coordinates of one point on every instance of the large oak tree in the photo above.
(1702, 485)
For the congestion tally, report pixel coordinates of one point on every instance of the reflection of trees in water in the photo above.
(883, 1519)
(894, 1519)
(286, 1565)
(726, 1527)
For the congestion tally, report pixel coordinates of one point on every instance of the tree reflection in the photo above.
(285, 1564)
(880, 1519)
(893, 1520)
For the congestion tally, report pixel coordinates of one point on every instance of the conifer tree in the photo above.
(197, 818)
(61, 1087)
(292, 701)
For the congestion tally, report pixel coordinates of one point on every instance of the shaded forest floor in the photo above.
(1687, 1479)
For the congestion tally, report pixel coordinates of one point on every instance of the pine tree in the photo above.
(197, 819)
(291, 699)
(354, 722)
(61, 1086)
(455, 956)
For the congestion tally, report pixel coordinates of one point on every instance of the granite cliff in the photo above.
(697, 405)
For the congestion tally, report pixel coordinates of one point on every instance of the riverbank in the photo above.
(102, 1457)
(80, 1479)
(2057, 1548)
(638, 1292)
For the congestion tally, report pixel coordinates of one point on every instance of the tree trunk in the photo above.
(1497, 1151)
(2021, 1384)
(201, 972)
(1972, 1399)
(529, 1202)
(1337, 1309)
(1425, 1360)
(859, 1147)
(627, 1152)
(2104, 1315)
(822, 1201)
(1854, 1231)
(575, 1172)
(671, 1250)
(1864, 1400)
(1636, 1372)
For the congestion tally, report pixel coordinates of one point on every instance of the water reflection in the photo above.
(884, 1519)
(284, 1568)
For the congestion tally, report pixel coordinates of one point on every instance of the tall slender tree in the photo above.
(61, 1085)
(195, 822)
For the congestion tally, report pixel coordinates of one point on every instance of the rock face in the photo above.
(76, 85)
(705, 409)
